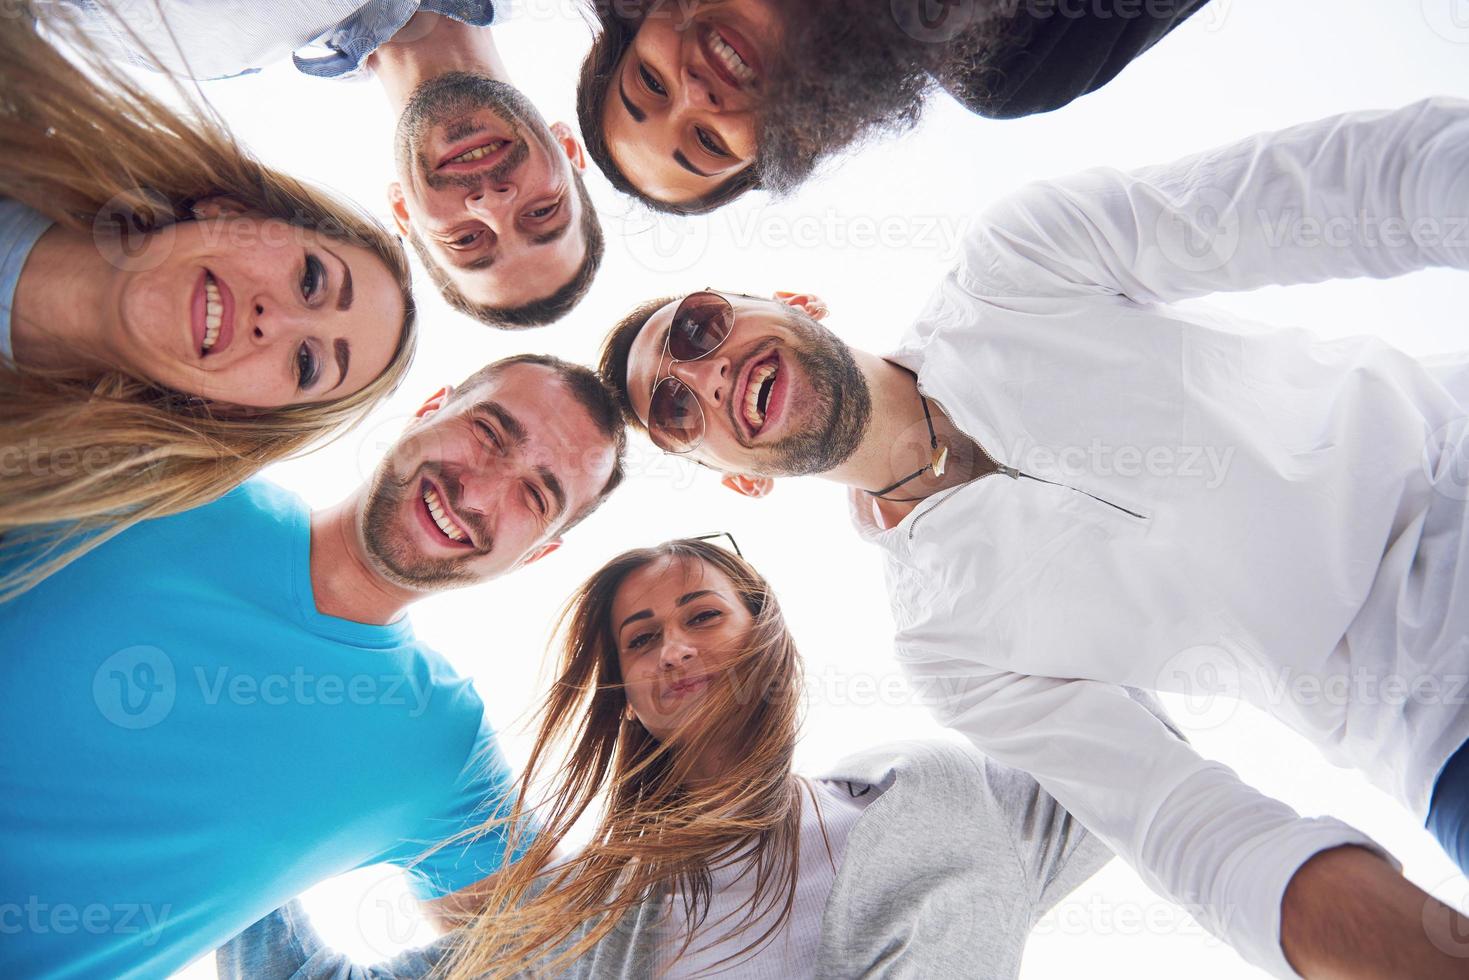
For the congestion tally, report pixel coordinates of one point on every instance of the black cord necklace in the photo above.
(935, 465)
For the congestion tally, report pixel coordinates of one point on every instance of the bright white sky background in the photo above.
(872, 238)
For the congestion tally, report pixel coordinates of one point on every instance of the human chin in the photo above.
(154, 329)
(401, 536)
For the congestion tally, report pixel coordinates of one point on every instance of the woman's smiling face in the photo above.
(678, 623)
(680, 116)
(255, 312)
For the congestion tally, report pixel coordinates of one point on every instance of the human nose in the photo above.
(492, 203)
(708, 377)
(274, 323)
(697, 94)
(676, 652)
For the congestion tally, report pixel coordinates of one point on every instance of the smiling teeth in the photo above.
(758, 378)
(730, 57)
(213, 312)
(436, 510)
(478, 153)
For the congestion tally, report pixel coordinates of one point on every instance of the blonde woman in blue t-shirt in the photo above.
(173, 314)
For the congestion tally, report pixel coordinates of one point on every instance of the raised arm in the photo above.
(1362, 194)
(1191, 828)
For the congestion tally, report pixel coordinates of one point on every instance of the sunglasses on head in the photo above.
(700, 324)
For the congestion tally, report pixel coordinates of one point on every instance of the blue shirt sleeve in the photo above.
(484, 791)
(348, 45)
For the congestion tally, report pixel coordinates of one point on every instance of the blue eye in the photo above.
(312, 277)
(307, 366)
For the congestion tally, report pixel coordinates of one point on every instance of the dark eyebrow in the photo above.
(344, 294)
(637, 114)
(344, 357)
(683, 600)
(513, 429)
(483, 262)
(554, 234)
(557, 490)
(683, 161)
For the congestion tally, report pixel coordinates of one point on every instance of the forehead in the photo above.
(659, 584)
(643, 356)
(523, 271)
(559, 431)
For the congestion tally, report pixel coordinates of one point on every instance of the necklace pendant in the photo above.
(939, 461)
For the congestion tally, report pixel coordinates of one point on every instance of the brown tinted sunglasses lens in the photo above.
(700, 324)
(676, 422)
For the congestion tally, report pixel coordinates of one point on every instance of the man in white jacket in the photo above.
(1078, 487)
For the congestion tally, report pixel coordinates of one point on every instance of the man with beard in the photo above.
(687, 104)
(1079, 488)
(223, 707)
(491, 198)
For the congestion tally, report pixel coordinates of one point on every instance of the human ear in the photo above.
(538, 552)
(434, 402)
(398, 206)
(748, 486)
(569, 145)
(813, 305)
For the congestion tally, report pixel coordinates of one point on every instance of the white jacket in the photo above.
(1232, 509)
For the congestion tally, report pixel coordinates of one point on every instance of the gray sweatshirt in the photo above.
(944, 875)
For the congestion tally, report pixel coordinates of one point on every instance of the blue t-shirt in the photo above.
(20, 229)
(188, 743)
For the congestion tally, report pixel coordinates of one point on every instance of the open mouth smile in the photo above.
(212, 315)
(761, 396)
(729, 56)
(440, 518)
(481, 154)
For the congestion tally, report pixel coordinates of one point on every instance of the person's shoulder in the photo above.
(265, 497)
(249, 508)
(907, 761)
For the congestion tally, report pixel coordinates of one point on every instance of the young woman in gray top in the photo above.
(677, 696)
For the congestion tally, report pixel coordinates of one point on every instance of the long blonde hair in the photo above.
(659, 831)
(101, 452)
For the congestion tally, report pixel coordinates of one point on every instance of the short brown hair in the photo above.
(538, 312)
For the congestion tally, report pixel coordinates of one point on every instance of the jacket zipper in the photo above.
(1016, 474)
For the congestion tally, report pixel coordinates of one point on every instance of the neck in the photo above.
(344, 581)
(65, 305)
(898, 442)
(429, 46)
